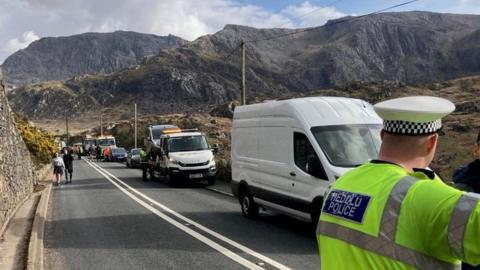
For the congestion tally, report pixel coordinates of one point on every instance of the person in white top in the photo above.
(58, 168)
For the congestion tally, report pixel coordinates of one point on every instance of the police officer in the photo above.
(393, 213)
(143, 164)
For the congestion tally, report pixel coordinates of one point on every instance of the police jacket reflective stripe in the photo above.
(385, 244)
(410, 221)
(458, 222)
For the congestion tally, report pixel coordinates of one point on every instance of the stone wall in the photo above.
(17, 172)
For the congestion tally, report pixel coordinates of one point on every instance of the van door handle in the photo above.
(293, 174)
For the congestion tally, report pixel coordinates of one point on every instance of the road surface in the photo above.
(109, 219)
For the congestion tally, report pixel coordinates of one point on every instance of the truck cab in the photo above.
(152, 138)
(106, 143)
(186, 156)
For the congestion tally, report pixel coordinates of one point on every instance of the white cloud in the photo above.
(188, 19)
(309, 15)
(18, 43)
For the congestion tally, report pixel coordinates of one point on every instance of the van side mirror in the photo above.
(314, 167)
(215, 148)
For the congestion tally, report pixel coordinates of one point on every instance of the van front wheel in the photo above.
(249, 208)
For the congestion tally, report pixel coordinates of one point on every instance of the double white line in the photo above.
(138, 196)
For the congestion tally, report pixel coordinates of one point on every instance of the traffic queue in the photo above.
(359, 172)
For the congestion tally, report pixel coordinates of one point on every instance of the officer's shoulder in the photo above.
(425, 174)
(432, 181)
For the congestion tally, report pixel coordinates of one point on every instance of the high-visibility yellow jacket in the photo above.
(379, 216)
(143, 156)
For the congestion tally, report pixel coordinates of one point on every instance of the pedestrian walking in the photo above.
(68, 161)
(144, 164)
(98, 152)
(58, 168)
(91, 152)
(394, 213)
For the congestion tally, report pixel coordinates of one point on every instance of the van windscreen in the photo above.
(187, 143)
(349, 145)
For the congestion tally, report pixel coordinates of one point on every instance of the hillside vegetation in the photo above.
(39, 142)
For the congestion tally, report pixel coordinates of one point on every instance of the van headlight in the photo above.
(173, 161)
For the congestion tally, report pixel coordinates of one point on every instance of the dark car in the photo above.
(133, 158)
(119, 154)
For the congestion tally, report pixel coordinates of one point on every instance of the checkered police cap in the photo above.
(419, 115)
(411, 128)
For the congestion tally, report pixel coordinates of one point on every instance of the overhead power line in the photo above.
(330, 24)
(243, 43)
(310, 12)
(232, 51)
(293, 18)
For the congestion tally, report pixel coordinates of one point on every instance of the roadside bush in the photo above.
(40, 143)
(224, 170)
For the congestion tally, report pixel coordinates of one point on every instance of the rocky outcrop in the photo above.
(17, 175)
(403, 48)
(59, 58)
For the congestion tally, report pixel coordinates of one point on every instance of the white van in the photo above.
(285, 154)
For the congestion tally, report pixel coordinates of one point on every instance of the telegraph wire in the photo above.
(331, 24)
(329, 5)
(293, 18)
(319, 27)
(232, 51)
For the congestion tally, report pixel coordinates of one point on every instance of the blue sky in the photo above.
(365, 6)
(29, 20)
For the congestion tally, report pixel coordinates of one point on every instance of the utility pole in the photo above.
(66, 126)
(135, 125)
(243, 96)
(101, 125)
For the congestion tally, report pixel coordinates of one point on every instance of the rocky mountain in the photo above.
(405, 48)
(59, 58)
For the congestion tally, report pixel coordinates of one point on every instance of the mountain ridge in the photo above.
(404, 47)
(58, 58)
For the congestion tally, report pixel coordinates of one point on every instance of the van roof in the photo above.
(316, 111)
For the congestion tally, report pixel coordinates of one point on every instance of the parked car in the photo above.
(118, 154)
(285, 154)
(133, 158)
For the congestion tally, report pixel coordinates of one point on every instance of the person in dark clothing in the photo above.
(68, 161)
(468, 178)
(99, 152)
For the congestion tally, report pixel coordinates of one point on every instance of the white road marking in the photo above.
(203, 228)
(230, 254)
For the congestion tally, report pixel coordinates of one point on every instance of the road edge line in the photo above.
(35, 248)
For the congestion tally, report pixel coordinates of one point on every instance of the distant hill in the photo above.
(59, 58)
(404, 48)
